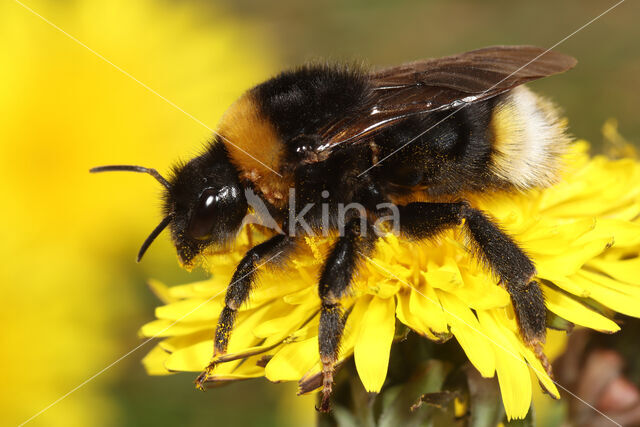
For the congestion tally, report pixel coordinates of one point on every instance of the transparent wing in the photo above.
(441, 84)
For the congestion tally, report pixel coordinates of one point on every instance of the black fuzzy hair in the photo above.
(301, 101)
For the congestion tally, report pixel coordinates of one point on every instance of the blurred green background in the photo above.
(73, 296)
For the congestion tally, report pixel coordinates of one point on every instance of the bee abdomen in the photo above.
(528, 139)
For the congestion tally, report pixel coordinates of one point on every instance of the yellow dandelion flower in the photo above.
(583, 235)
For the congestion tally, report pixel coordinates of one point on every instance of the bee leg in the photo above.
(516, 271)
(335, 279)
(421, 220)
(497, 250)
(268, 252)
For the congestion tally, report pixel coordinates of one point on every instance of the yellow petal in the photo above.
(446, 277)
(190, 359)
(168, 328)
(350, 334)
(382, 288)
(303, 296)
(632, 290)
(481, 292)
(590, 205)
(181, 341)
(191, 310)
(625, 233)
(285, 322)
(242, 336)
(556, 344)
(508, 212)
(197, 356)
(161, 291)
(513, 372)
(405, 316)
(271, 287)
(574, 258)
(572, 310)
(552, 237)
(293, 360)
(373, 344)
(238, 371)
(625, 214)
(468, 332)
(627, 270)
(154, 361)
(425, 307)
(538, 369)
(567, 284)
(355, 322)
(202, 289)
(608, 297)
(309, 330)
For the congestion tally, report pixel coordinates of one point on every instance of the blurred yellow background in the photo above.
(73, 296)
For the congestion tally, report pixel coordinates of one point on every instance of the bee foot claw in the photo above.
(204, 375)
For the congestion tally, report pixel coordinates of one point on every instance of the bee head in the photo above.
(204, 203)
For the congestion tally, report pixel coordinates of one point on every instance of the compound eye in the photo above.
(204, 215)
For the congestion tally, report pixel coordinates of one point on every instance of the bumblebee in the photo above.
(424, 137)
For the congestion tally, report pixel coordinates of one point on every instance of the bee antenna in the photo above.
(156, 231)
(154, 173)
